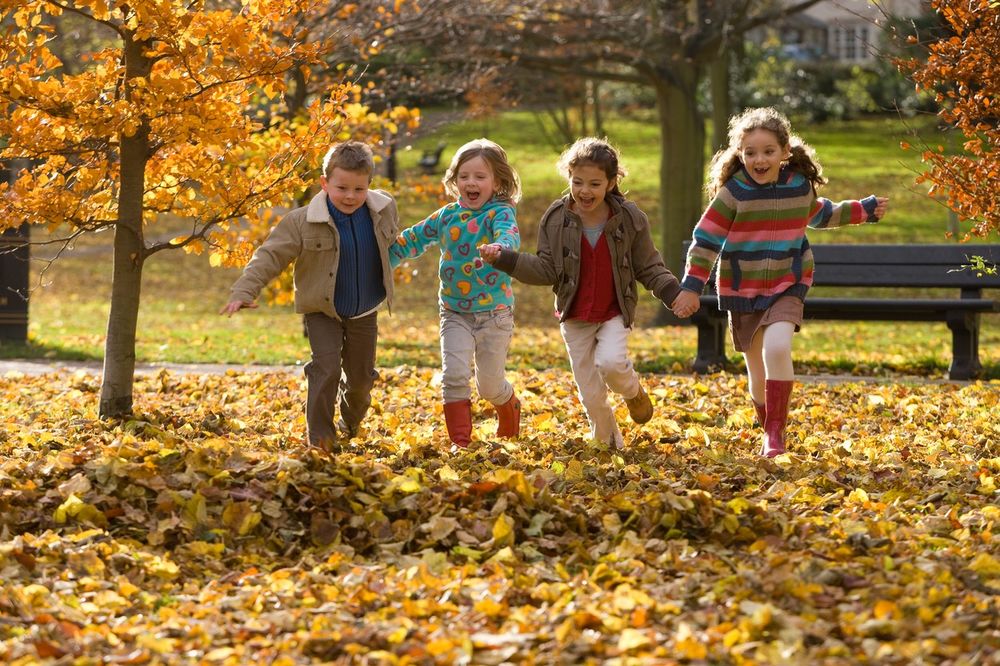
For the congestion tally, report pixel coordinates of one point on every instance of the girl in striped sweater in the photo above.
(763, 189)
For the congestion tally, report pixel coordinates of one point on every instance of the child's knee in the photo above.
(613, 365)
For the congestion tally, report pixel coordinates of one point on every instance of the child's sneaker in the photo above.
(639, 407)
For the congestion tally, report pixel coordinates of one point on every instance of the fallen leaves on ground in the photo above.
(202, 530)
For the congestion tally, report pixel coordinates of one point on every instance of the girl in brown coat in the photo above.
(593, 247)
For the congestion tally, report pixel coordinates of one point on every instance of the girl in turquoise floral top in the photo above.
(476, 300)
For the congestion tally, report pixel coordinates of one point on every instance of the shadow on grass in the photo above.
(30, 350)
(916, 367)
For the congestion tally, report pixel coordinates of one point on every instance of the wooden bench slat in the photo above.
(927, 277)
(951, 255)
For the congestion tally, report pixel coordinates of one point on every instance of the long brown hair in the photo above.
(506, 180)
(727, 161)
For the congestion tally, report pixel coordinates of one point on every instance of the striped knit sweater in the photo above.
(757, 232)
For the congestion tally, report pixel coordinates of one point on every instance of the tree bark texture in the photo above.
(682, 163)
(129, 253)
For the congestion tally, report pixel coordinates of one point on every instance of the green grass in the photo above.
(182, 294)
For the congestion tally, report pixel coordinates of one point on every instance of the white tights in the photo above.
(769, 357)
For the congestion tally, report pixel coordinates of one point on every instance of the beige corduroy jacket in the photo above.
(308, 236)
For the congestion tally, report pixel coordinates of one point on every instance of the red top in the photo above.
(595, 299)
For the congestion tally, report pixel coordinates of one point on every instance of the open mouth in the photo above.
(471, 197)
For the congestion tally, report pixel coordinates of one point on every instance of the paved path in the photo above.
(41, 367)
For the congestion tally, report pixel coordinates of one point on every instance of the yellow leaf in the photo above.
(439, 646)
(858, 495)
(885, 609)
(157, 645)
(488, 607)
(574, 471)
(240, 517)
(195, 511)
(503, 530)
(986, 565)
(630, 639)
(446, 473)
(220, 654)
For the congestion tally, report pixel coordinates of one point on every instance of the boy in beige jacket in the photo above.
(339, 243)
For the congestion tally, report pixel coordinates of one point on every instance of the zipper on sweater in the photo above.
(357, 265)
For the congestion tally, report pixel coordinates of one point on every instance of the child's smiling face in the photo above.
(588, 186)
(476, 183)
(347, 189)
(762, 155)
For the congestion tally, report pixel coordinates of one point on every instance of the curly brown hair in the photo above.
(595, 151)
(727, 161)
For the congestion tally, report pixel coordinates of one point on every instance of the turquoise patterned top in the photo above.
(468, 284)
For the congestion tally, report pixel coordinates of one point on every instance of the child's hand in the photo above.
(235, 306)
(686, 304)
(881, 206)
(490, 252)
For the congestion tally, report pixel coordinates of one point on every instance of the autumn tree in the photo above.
(160, 116)
(962, 70)
(668, 45)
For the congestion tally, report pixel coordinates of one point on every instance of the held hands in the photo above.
(235, 306)
(490, 252)
(686, 304)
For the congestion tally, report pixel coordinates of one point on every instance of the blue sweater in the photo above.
(359, 286)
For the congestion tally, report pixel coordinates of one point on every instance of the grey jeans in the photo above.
(343, 361)
(480, 338)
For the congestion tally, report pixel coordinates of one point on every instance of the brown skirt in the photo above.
(744, 325)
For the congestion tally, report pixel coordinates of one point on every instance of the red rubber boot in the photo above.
(458, 418)
(509, 418)
(777, 393)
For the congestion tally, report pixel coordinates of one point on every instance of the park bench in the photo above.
(430, 159)
(916, 267)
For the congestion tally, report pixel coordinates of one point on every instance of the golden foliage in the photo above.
(961, 70)
(203, 84)
(202, 531)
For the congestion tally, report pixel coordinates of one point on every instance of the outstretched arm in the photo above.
(826, 214)
(282, 246)
(414, 241)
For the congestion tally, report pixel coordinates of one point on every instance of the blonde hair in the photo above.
(349, 156)
(597, 152)
(506, 181)
(728, 161)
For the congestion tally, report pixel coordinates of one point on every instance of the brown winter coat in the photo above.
(557, 259)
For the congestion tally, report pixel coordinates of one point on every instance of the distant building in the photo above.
(840, 30)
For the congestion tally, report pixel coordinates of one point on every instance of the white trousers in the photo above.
(598, 354)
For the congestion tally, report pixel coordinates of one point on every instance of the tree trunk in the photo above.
(722, 103)
(682, 163)
(129, 253)
(595, 96)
